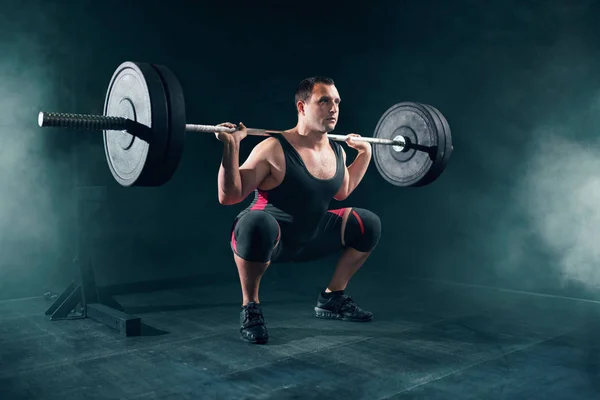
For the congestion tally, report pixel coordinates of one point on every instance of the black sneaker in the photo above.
(253, 328)
(338, 305)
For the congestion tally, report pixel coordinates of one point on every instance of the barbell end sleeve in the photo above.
(41, 119)
(84, 121)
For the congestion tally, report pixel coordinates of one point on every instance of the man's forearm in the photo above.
(229, 181)
(357, 170)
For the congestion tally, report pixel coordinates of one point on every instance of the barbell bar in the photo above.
(101, 122)
(144, 128)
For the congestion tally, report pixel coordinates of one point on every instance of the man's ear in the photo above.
(300, 107)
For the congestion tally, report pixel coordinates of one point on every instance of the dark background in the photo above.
(516, 208)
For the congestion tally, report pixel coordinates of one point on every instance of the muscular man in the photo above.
(294, 177)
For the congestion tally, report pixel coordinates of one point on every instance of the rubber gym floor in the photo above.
(428, 340)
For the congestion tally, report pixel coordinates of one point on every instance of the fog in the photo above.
(560, 193)
(34, 167)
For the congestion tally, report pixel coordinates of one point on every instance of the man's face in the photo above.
(322, 109)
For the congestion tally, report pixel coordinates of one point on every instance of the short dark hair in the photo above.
(305, 87)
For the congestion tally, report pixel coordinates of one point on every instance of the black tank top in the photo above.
(301, 199)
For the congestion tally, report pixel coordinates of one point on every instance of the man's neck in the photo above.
(310, 138)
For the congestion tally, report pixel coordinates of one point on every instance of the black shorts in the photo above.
(278, 245)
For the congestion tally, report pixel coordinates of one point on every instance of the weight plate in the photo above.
(444, 128)
(176, 137)
(417, 164)
(136, 92)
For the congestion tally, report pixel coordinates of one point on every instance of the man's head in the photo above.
(317, 103)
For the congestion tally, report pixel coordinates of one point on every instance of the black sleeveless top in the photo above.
(301, 200)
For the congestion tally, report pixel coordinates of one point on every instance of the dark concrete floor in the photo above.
(428, 341)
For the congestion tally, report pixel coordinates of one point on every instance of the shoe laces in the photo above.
(252, 316)
(349, 304)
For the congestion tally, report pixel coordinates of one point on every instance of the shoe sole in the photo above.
(326, 314)
(255, 341)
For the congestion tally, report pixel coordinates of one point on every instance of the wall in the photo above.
(516, 80)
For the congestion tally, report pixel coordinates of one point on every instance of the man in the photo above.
(294, 176)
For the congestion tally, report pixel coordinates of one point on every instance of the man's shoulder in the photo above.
(266, 144)
(268, 147)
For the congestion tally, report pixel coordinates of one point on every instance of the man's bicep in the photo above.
(343, 191)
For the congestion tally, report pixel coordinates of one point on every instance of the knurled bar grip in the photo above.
(83, 121)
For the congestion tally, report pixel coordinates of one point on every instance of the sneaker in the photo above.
(338, 305)
(253, 327)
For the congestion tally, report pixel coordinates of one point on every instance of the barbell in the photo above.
(144, 128)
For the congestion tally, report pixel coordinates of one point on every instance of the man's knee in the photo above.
(363, 230)
(255, 235)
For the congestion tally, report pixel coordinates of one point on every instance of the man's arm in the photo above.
(237, 182)
(354, 173)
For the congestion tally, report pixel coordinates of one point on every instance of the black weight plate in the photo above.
(412, 166)
(136, 92)
(176, 138)
(445, 143)
(449, 145)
